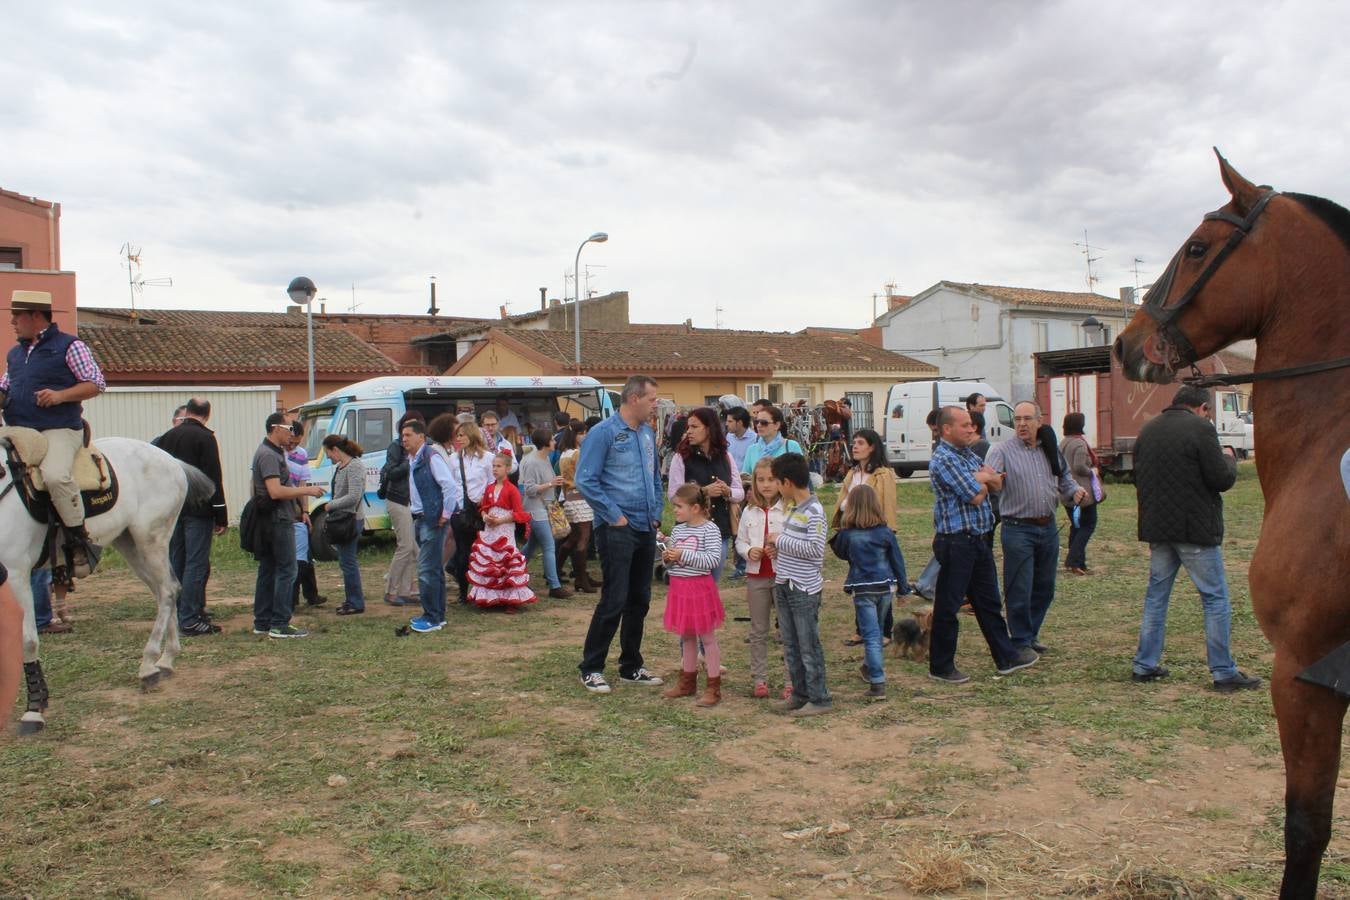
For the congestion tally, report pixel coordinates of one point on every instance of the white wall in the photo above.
(237, 416)
(963, 336)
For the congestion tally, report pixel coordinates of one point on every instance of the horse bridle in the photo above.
(1166, 316)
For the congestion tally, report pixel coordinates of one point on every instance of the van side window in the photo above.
(348, 428)
(898, 411)
(375, 429)
(1005, 415)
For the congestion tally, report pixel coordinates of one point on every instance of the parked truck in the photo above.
(1089, 380)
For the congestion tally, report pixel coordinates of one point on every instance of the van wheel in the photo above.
(904, 471)
(319, 548)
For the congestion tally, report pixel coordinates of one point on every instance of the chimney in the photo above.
(432, 310)
(292, 309)
(503, 310)
(554, 302)
(543, 298)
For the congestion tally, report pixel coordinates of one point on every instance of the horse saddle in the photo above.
(92, 472)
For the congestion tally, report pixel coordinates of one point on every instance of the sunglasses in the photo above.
(763, 422)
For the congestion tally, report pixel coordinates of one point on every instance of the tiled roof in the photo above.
(715, 350)
(184, 350)
(1038, 297)
(211, 318)
(1236, 363)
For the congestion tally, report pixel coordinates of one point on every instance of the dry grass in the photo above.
(932, 870)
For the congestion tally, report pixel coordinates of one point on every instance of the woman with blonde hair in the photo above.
(471, 466)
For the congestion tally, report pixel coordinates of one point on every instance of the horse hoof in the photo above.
(150, 682)
(31, 726)
(165, 672)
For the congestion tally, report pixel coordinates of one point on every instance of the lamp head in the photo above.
(598, 238)
(301, 290)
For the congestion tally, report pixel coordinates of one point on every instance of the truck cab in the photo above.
(368, 412)
(909, 442)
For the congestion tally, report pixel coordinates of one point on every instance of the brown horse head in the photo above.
(1216, 290)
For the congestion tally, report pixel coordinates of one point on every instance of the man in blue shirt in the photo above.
(619, 475)
(963, 519)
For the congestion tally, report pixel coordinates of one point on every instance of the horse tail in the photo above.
(200, 488)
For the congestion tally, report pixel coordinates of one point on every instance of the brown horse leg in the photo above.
(1310, 734)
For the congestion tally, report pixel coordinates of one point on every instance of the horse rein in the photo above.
(1165, 316)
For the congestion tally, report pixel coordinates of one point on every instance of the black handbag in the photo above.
(339, 527)
(470, 516)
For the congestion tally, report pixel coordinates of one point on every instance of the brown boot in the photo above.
(582, 578)
(687, 686)
(712, 695)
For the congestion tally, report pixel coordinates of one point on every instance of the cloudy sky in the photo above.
(782, 159)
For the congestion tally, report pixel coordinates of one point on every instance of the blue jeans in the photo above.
(354, 596)
(966, 568)
(41, 584)
(799, 626)
(541, 536)
(190, 560)
(431, 568)
(1079, 535)
(870, 611)
(926, 586)
(276, 580)
(1030, 560)
(728, 550)
(627, 559)
(1205, 566)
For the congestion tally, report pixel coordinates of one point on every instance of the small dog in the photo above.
(912, 634)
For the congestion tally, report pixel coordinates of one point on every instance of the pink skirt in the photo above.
(693, 605)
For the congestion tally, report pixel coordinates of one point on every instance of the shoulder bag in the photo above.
(470, 516)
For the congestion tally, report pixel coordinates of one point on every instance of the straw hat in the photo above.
(31, 301)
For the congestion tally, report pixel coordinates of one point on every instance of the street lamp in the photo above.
(598, 238)
(302, 290)
(1093, 331)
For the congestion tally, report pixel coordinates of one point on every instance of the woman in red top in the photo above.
(497, 573)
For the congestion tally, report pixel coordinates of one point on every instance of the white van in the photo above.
(367, 411)
(909, 442)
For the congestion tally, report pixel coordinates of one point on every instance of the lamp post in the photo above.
(302, 290)
(598, 238)
(1093, 331)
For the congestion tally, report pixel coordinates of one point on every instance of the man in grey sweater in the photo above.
(538, 485)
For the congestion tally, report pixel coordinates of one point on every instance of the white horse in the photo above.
(152, 487)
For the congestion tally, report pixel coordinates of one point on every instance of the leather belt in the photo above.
(1036, 520)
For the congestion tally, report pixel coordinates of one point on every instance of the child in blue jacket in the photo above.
(875, 567)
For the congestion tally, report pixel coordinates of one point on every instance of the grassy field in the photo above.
(471, 763)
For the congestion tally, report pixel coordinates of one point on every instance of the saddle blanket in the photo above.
(91, 470)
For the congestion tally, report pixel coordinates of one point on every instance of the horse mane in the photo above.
(1336, 216)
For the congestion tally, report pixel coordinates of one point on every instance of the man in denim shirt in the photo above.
(618, 474)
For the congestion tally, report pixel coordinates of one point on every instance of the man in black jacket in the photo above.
(1180, 470)
(190, 548)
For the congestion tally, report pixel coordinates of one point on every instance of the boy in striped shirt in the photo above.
(798, 556)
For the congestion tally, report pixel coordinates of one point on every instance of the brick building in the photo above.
(30, 258)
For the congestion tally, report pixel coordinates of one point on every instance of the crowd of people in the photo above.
(476, 497)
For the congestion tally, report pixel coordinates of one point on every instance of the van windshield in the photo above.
(316, 422)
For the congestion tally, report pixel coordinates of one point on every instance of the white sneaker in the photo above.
(595, 683)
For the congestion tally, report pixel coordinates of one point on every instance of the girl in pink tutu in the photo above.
(497, 573)
(693, 606)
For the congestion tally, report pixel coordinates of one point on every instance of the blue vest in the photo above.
(428, 491)
(44, 368)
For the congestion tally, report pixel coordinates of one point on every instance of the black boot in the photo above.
(82, 554)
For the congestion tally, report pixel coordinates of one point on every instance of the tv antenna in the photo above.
(135, 282)
(1086, 249)
(352, 308)
(717, 321)
(588, 268)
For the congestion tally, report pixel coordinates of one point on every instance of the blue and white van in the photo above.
(368, 411)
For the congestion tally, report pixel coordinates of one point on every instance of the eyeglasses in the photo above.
(1025, 418)
(761, 423)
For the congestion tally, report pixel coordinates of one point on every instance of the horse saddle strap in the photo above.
(1331, 671)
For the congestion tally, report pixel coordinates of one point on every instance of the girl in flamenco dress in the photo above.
(497, 573)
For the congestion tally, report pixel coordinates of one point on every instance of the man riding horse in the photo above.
(47, 376)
